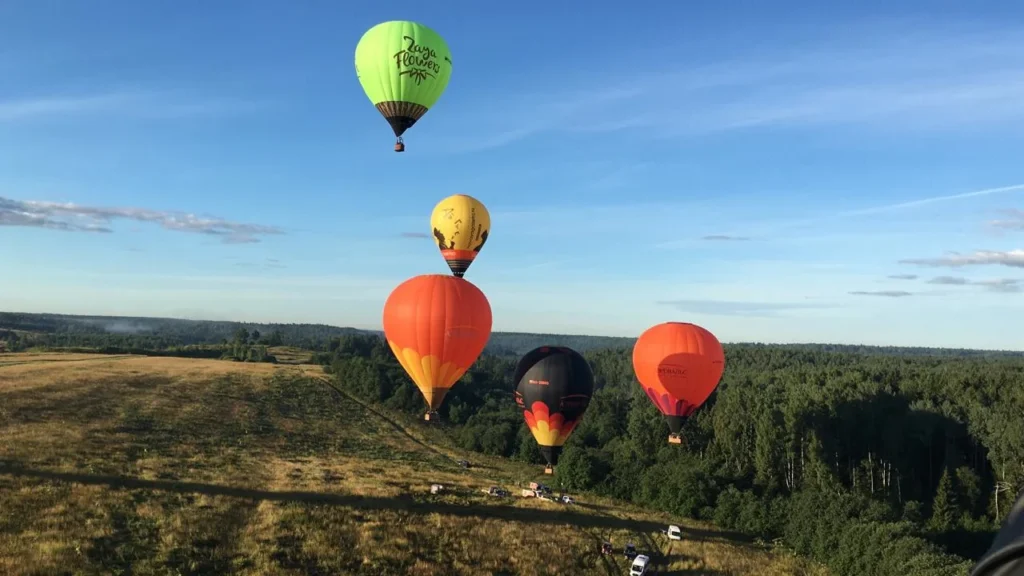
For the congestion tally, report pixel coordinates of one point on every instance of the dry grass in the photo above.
(134, 465)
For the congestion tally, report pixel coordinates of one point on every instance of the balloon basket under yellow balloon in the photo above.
(549, 470)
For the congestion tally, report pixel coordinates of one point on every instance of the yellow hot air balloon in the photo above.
(460, 225)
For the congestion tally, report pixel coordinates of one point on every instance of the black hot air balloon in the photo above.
(553, 387)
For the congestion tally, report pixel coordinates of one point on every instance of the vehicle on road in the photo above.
(674, 532)
(537, 487)
(639, 567)
(436, 488)
(568, 500)
(495, 491)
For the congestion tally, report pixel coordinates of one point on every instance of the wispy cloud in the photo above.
(724, 238)
(414, 235)
(1011, 258)
(165, 105)
(1014, 220)
(734, 308)
(76, 218)
(950, 281)
(874, 78)
(902, 276)
(1004, 285)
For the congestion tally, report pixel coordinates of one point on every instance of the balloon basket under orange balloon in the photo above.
(675, 439)
(430, 416)
(549, 470)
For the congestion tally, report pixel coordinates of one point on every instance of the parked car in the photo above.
(674, 533)
(639, 567)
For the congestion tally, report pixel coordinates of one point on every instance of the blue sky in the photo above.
(793, 173)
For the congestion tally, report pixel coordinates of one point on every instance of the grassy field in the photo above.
(135, 465)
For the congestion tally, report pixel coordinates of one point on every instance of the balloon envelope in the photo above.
(404, 68)
(437, 326)
(553, 387)
(460, 225)
(678, 365)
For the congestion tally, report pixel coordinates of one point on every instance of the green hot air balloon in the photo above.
(404, 68)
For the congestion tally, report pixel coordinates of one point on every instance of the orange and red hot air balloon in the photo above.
(437, 326)
(678, 365)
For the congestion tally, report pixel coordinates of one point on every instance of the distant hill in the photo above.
(181, 332)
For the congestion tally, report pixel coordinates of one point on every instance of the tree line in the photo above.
(870, 463)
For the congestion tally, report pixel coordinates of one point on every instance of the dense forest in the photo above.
(885, 461)
(870, 463)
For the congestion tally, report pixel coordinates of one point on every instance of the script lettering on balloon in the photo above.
(417, 61)
(672, 371)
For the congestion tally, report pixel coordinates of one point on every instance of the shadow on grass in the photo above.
(406, 503)
(394, 424)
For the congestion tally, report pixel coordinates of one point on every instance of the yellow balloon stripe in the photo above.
(547, 436)
(430, 375)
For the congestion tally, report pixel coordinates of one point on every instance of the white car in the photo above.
(639, 567)
(674, 533)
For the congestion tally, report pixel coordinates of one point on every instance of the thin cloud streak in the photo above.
(883, 293)
(75, 218)
(902, 276)
(725, 238)
(949, 281)
(770, 228)
(944, 79)
(418, 235)
(1011, 258)
(933, 200)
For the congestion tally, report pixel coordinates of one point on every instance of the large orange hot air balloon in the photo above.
(678, 365)
(437, 326)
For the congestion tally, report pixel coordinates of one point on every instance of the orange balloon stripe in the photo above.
(459, 254)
